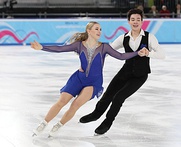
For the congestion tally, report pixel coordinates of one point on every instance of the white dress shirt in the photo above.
(155, 50)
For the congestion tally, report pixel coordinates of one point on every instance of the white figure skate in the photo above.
(40, 128)
(55, 129)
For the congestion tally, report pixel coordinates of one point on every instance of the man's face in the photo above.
(135, 22)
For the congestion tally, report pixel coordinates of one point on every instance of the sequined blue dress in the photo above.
(92, 66)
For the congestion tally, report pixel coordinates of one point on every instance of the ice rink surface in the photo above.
(29, 84)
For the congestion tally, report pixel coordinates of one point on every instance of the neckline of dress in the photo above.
(97, 45)
(93, 47)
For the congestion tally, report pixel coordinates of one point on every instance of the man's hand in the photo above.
(143, 52)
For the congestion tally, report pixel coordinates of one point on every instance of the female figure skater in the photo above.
(85, 83)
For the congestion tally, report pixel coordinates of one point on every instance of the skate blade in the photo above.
(95, 134)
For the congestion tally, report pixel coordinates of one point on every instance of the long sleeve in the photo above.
(121, 56)
(117, 43)
(66, 48)
(155, 49)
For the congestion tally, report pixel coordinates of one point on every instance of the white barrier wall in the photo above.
(58, 31)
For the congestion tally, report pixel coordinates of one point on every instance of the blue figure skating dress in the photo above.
(92, 66)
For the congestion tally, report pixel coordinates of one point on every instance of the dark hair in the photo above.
(135, 11)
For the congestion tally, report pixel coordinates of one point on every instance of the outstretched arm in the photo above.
(66, 48)
(122, 56)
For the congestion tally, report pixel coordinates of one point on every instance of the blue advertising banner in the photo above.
(58, 31)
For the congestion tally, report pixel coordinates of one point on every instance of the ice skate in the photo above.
(55, 129)
(90, 117)
(103, 128)
(40, 128)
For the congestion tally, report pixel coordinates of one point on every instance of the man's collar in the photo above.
(142, 33)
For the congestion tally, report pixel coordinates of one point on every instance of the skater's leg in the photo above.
(83, 97)
(63, 100)
(55, 109)
(115, 85)
(130, 87)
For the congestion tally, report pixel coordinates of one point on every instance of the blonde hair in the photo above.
(82, 36)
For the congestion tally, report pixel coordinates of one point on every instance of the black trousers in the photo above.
(122, 86)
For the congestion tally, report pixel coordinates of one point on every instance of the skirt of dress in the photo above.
(79, 81)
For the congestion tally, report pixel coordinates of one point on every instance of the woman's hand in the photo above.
(35, 45)
(143, 52)
(81, 70)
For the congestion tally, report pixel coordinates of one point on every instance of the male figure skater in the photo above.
(131, 76)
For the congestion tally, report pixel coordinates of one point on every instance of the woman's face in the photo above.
(95, 32)
(135, 22)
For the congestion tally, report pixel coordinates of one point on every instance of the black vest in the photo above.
(138, 66)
